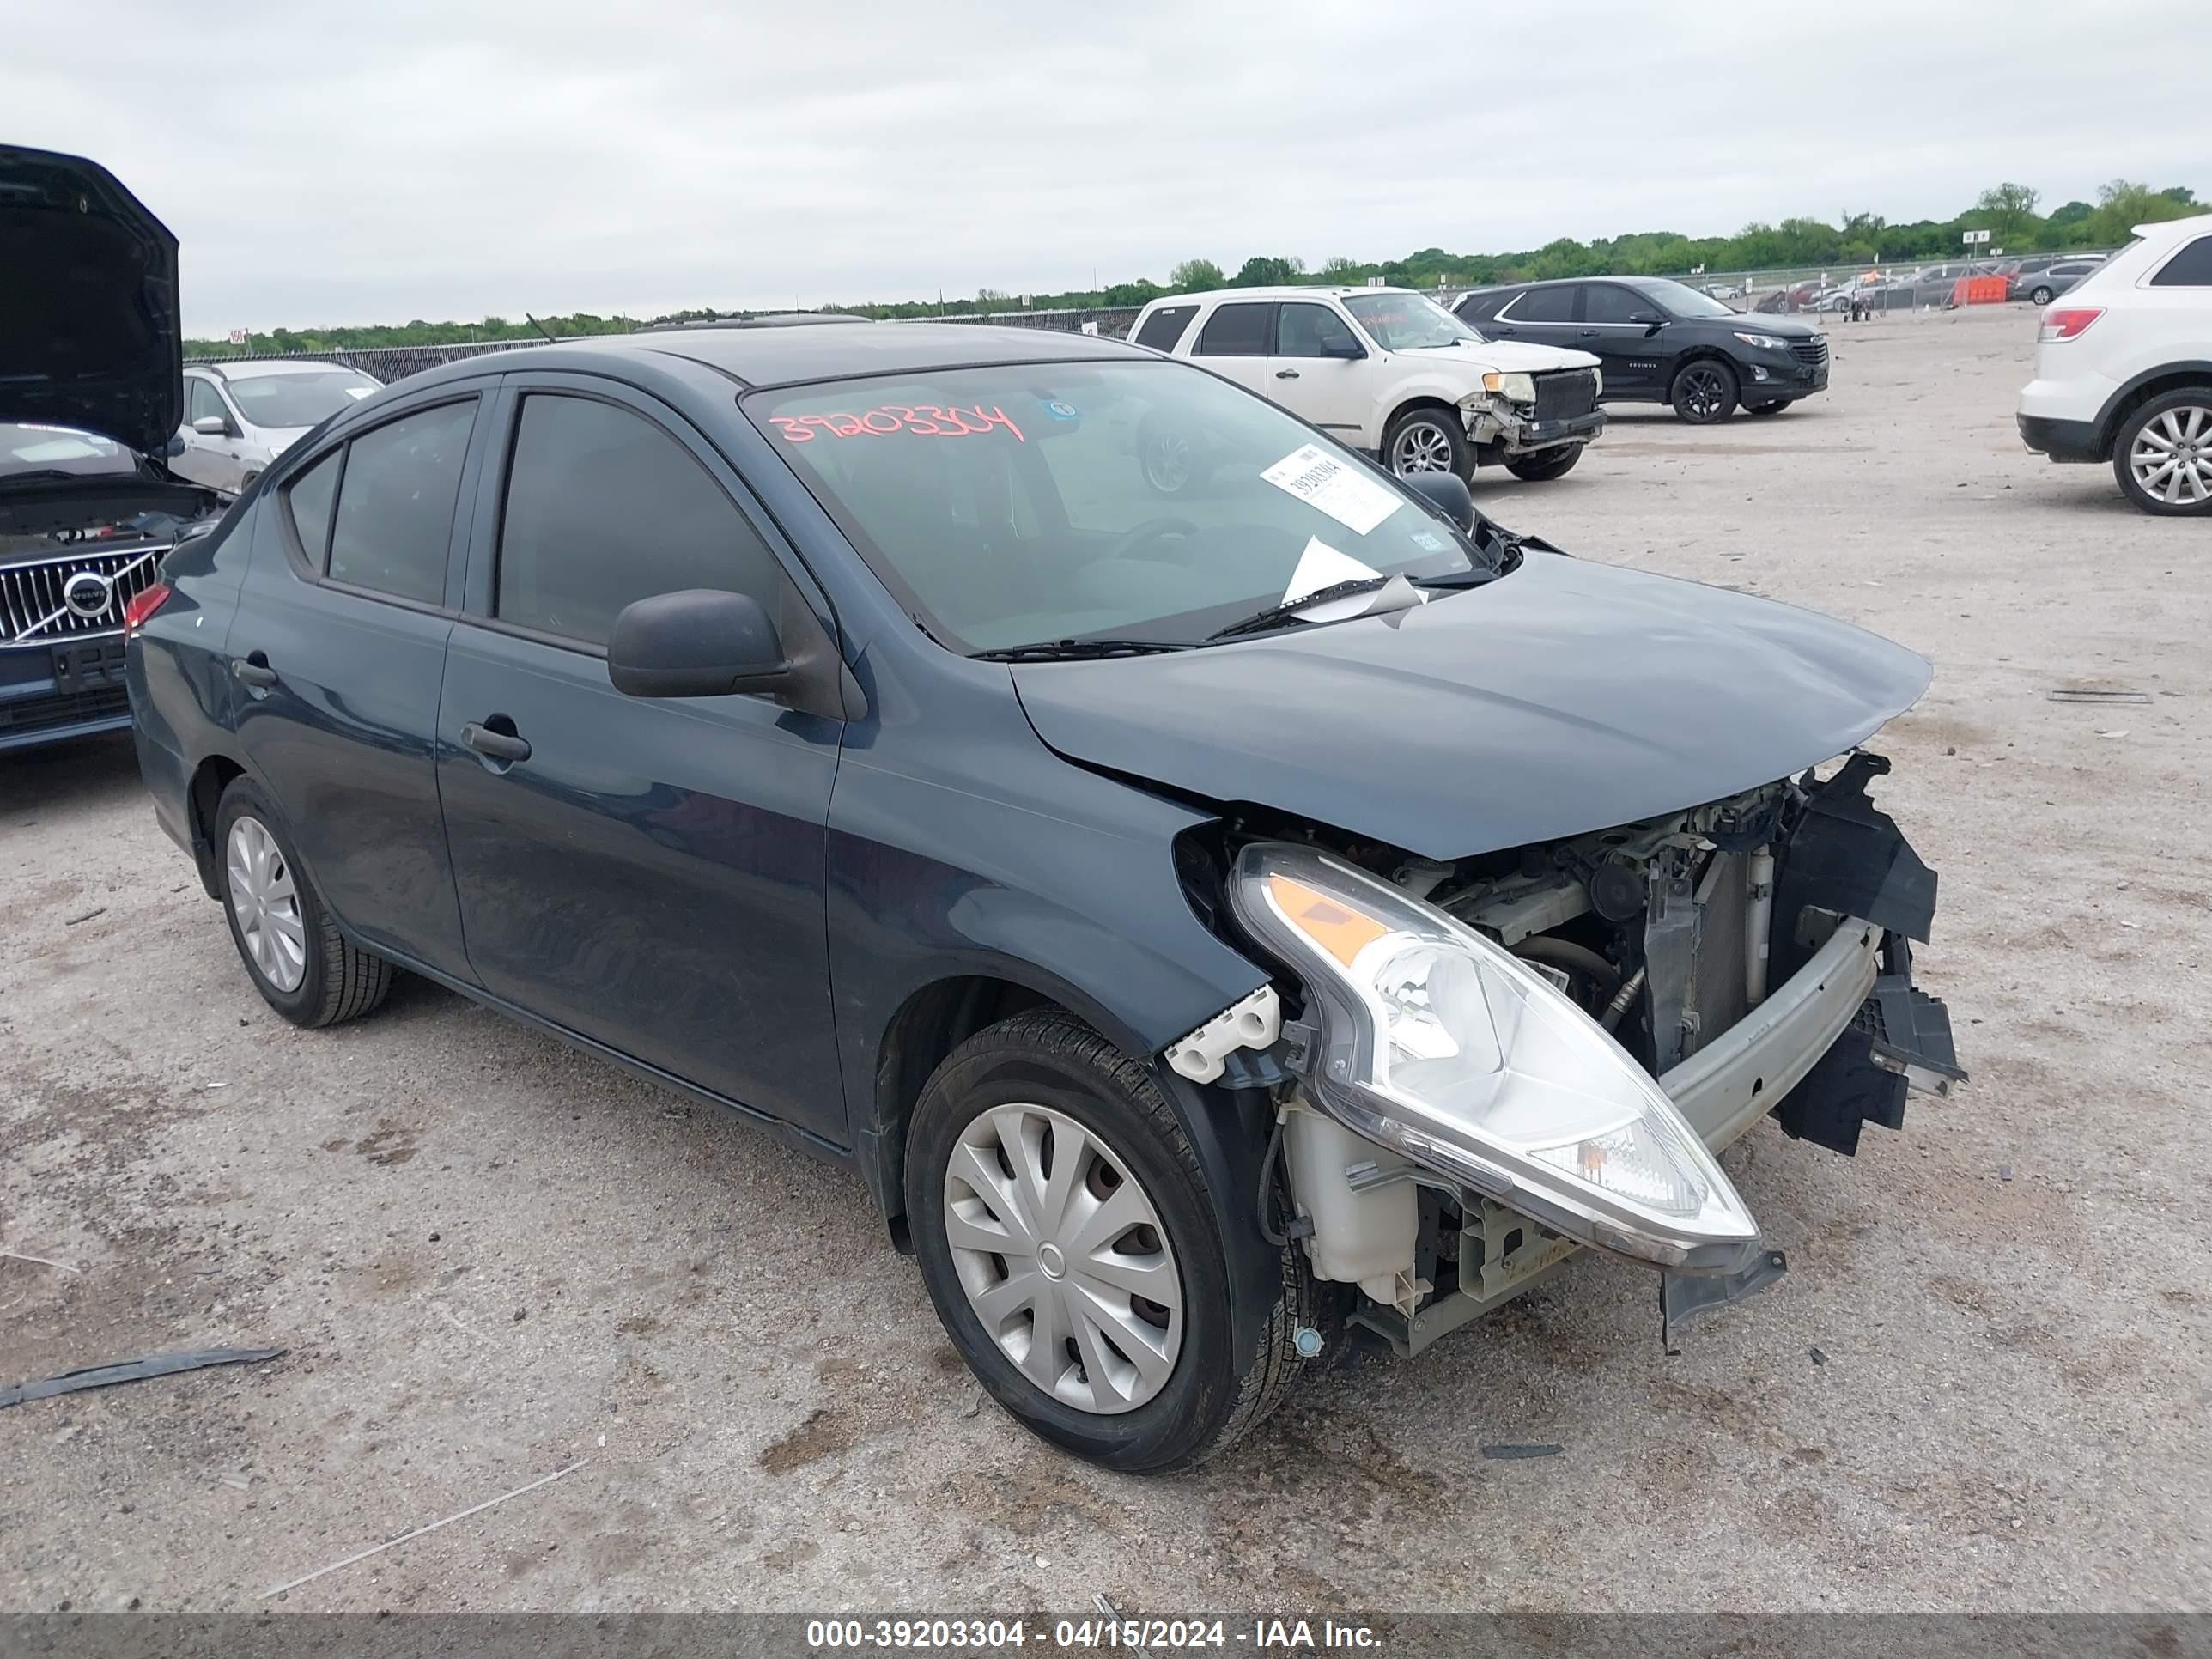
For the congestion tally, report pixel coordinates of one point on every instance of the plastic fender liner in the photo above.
(1847, 857)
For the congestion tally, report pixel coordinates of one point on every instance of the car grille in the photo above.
(43, 602)
(21, 716)
(1813, 351)
(1563, 396)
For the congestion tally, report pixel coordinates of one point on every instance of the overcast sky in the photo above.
(378, 162)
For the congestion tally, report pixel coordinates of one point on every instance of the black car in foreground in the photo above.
(1199, 924)
(94, 389)
(1663, 341)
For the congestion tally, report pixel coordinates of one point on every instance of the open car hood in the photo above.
(1563, 698)
(90, 335)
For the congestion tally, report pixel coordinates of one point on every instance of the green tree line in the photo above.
(2008, 211)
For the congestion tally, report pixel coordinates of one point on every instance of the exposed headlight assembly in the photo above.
(1443, 1047)
(1521, 388)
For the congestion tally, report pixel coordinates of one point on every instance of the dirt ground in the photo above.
(1984, 1383)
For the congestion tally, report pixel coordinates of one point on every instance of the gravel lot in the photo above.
(1984, 1383)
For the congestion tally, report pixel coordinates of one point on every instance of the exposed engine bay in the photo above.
(1795, 901)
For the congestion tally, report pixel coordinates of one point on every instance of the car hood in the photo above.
(1565, 697)
(89, 330)
(1504, 355)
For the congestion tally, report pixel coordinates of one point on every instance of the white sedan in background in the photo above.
(241, 416)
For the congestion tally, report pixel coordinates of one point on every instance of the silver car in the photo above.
(241, 416)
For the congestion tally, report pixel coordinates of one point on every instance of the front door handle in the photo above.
(1286, 374)
(253, 669)
(494, 745)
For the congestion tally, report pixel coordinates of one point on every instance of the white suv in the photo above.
(2123, 370)
(241, 416)
(1383, 370)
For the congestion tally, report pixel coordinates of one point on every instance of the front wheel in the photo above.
(1172, 463)
(2162, 454)
(1546, 465)
(1426, 440)
(1067, 1238)
(1704, 392)
(1771, 406)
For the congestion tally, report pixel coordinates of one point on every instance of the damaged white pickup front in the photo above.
(1250, 1022)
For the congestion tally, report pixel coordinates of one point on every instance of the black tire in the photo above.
(1546, 466)
(1212, 1396)
(1773, 406)
(1704, 392)
(2040, 295)
(337, 981)
(2177, 426)
(1427, 433)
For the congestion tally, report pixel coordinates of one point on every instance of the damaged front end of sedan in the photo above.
(1481, 1066)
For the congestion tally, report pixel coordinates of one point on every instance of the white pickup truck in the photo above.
(1383, 370)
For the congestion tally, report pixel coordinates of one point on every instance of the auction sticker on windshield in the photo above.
(1334, 487)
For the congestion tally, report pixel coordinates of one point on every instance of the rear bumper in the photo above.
(2077, 441)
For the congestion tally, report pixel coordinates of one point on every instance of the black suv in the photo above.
(1662, 342)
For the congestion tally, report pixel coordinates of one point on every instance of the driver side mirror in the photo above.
(211, 426)
(700, 643)
(1447, 492)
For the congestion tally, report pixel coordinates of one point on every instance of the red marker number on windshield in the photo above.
(921, 420)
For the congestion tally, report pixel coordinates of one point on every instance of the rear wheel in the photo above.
(298, 961)
(1546, 465)
(1704, 392)
(1426, 440)
(1066, 1234)
(2041, 295)
(2162, 454)
(1771, 406)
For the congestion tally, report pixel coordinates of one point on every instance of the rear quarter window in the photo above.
(1165, 326)
(2191, 268)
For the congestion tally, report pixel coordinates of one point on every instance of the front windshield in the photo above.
(1011, 505)
(29, 448)
(285, 400)
(1685, 302)
(1407, 322)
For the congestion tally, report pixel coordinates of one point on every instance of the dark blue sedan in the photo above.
(1201, 922)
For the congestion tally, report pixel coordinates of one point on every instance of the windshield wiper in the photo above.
(1275, 614)
(1075, 650)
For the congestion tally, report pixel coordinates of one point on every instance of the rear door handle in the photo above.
(1590, 334)
(494, 745)
(253, 669)
(1286, 374)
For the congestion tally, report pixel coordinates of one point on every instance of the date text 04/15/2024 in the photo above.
(1262, 1636)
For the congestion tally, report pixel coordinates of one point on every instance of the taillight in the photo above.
(143, 604)
(2067, 325)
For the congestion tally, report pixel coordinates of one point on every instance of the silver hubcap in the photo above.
(266, 905)
(1063, 1258)
(2172, 456)
(1421, 447)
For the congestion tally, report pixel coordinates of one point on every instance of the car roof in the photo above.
(260, 366)
(1282, 291)
(787, 356)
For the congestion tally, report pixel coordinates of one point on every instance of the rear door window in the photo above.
(1545, 304)
(1165, 326)
(604, 507)
(394, 523)
(2191, 268)
(1238, 330)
